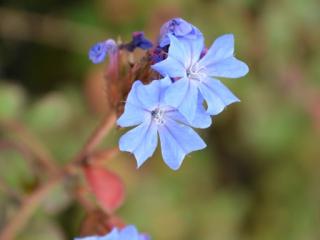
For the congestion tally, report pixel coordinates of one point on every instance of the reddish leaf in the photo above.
(106, 186)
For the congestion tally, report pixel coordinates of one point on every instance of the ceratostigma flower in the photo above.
(171, 107)
(146, 108)
(196, 75)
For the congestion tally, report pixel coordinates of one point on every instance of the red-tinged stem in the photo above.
(31, 202)
(29, 205)
(33, 145)
(100, 132)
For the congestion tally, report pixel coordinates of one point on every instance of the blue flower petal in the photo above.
(219, 60)
(141, 141)
(113, 235)
(134, 113)
(129, 233)
(177, 141)
(132, 116)
(170, 67)
(179, 51)
(183, 94)
(144, 237)
(182, 54)
(201, 120)
(222, 48)
(229, 68)
(88, 238)
(217, 95)
(180, 26)
(180, 29)
(194, 47)
(150, 95)
(98, 52)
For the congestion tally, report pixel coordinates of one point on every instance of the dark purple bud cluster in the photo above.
(138, 41)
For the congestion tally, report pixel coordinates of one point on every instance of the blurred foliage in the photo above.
(258, 179)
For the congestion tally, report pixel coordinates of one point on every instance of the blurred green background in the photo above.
(259, 177)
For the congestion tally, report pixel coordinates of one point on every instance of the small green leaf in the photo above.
(51, 112)
(12, 98)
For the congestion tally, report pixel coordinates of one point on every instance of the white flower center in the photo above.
(194, 72)
(158, 116)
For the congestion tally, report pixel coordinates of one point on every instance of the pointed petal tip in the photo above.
(229, 35)
(243, 69)
(246, 69)
(139, 163)
(140, 160)
(226, 37)
(174, 167)
(121, 146)
(203, 146)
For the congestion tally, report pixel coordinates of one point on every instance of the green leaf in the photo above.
(51, 112)
(42, 228)
(15, 170)
(12, 99)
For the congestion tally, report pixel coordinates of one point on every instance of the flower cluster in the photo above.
(187, 94)
(168, 93)
(128, 233)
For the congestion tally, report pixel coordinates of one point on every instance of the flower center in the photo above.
(158, 116)
(194, 72)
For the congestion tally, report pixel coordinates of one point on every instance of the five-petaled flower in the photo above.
(128, 233)
(196, 75)
(146, 108)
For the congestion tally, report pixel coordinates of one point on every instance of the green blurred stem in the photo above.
(31, 202)
(32, 145)
(4, 187)
(29, 205)
(99, 133)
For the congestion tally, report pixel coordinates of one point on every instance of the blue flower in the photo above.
(99, 51)
(179, 28)
(196, 75)
(146, 108)
(128, 233)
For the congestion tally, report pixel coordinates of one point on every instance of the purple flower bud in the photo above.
(100, 50)
(180, 28)
(138, 41)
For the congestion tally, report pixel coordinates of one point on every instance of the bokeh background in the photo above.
(259, 177)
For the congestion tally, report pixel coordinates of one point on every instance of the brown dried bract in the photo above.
(120, 75)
